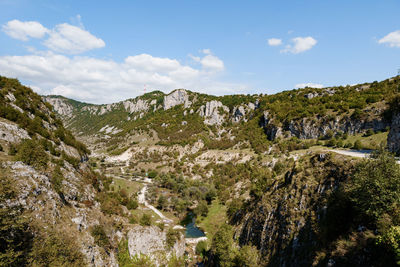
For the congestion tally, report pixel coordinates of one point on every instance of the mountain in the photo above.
(186, 178)
(55, 210)
(258, 122)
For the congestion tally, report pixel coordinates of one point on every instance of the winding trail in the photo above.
(356, 153)
(142, 200)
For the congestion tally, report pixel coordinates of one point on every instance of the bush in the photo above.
(100, 236)
(145, 220)
(357, 145)
(132, 204)
(201, 248)
(201, 209)
(57, 179)
(56, 248)
(152, 174)
(248, 256)
(171, 237)
(31, 152)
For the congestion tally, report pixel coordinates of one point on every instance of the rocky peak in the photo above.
(61, 106)
(175, 98)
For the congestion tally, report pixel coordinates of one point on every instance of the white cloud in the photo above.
(23, 30)
(209, 62)
(312, 85)
(105, 81)
(392, 39)
(66, 38)
(300, 44)
(274, 41)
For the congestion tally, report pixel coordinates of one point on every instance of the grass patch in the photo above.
(131, 187)
(215, 217)
(369, 142)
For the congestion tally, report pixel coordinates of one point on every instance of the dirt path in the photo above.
(142, 200)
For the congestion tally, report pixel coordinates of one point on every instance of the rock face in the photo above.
(393, 141)
(60, 106)
(12, 133)
(284, 225)
(238, 114)
(139, 105)
(175, 98)
(307, 128)
(151, 241)
(211, 112)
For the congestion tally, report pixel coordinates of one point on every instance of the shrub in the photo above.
(248, 256)
(357, 145)
(201, 248)
(171, 237)
(152, 174)
(145, 220)
(57, 179)
(100, 236)
(56, 248)
(31, 152)
(132, 204)
(12, 150)
(201, 209)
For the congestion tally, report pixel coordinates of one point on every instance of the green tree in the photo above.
(376, 186)
(248, 256)
(223, 246)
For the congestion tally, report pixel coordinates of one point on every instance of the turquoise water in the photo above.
(192, 231)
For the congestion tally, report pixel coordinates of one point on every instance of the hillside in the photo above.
(55, 210)
(257, 122)
(187, 178)
(262, 162)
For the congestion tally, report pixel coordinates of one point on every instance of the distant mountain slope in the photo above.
(184, 117)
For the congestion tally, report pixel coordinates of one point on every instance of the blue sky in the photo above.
(106, 51)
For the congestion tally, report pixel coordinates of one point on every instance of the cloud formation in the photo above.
(105, 81)
(21, 30)
(64, 38)
(274, 41)
(209, 62)
(311, 85)
(300, 45)
(392, 39)
(59, 70)
(69, 39)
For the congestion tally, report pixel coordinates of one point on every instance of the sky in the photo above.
(108, 51)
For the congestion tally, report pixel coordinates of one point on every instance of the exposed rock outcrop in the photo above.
(61, 106)
(151, 241)
(313, 128)
(175, 98)
(11, 132)
(213, 112)
(136, 106)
